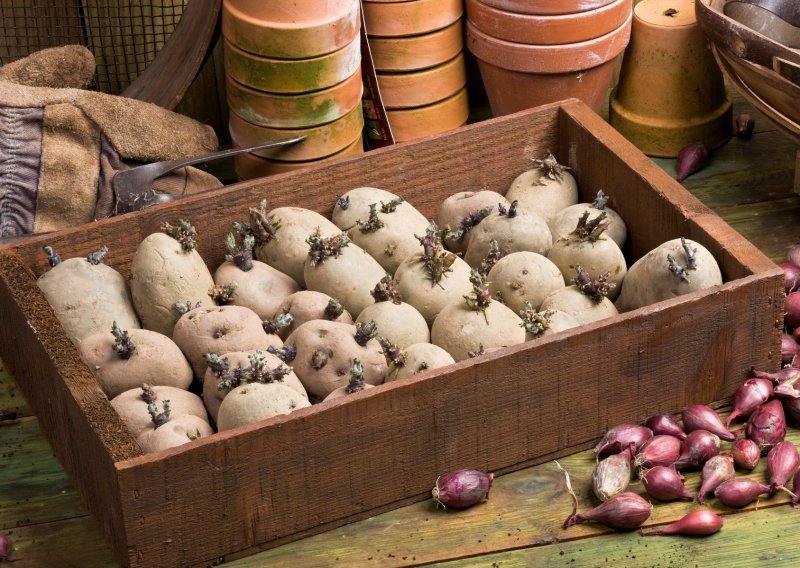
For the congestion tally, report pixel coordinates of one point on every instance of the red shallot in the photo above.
(701, 522)
(4, 545)
(791, 309)
(462, 488)
(782, 463)
(698, 447)
(752, 394)
(740, 491)
(715, 471)
(665, 484)
(789, 348)
(745, 125)
(665, 424)
(691, 158)
(620, 437)
(746, 454)
(787, 375)
(612, 474)
(767, 425)
(793, 254)
(702, 417)
(658, 450)
(791, 277)
(792, 407)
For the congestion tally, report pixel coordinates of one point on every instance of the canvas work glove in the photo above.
(61, 145)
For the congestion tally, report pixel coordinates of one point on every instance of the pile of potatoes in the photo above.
(306, 308)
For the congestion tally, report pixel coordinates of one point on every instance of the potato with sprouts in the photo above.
(414, 359)
(307, 305)
(397, 321)
(464, 210)
(565, 220)
(585, 300)
(524, 278)
(132, 404)
(354, 385)
(543, 323)
(545, 189)
(167, 431)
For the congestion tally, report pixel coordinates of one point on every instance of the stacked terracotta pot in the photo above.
(532, 52)
(293, 68)
(417, 50)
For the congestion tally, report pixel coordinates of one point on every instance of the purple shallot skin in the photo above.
(462, 488)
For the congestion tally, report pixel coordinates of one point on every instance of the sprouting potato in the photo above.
(132, 404)
(307, 305)
(585, 300)
(522, 277)
(166, 431)
(462, 211)
(415, 359)
(565, 221)
(397, 321)
(544, 189)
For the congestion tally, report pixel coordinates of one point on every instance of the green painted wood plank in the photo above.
(772, 226)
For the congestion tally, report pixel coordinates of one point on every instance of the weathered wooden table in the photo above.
(749, 183)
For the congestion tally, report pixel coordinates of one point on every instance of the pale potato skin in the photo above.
(541, 195)
(174, 433)
(349, 277)
(262, 288)
(213, 396)
(577, 304)
(420, 357)
(401, 324)
(595, 257)
(255, 402)
(156, 360)
(525, 232)
(88, 298)
(221, 329)
(460, 330)
(524, 277)
(133, 410)
(396, 240)
(415, 287)
(458, 206)
(566, 220)
(163, 274)
(342, 392)
(288, 250)
(558, 321)
(651, 281)
(337, 342)
(360, 199)
(307, 305)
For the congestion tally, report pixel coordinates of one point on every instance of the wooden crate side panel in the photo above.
(331, 465)
(75, 415)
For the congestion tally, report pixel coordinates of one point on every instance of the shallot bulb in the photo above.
(788, 375)
(691, 158)
(462, 488)
(745, 125)
(791, 277)
(716, 470)
(793, 254)
(698, 447)
(701, 522)
(752, 394)
(792, 407)
(789, 347)
(612, 475)
(791, 307)
(665, 424)
(665, 484)
(767, 425)
(701, 417)
(740, 491)
(621, 437)
(782, 463)
(658, 450)
(746, 454)
(796, 488)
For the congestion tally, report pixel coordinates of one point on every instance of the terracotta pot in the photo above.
(322, 141)
(671, 91)
(250, 166)
(548, 29)
(417, 52)
(406, 90)
(547, 7)
(393, 19)
(292, 75)
(519, 76)
(413, 123)
(300, 29)
(294, 111)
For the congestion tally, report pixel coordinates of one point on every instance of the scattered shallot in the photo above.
(698, 447)
(462, 488)
(746, 454)
(745, 125)
(702, 417)
(665, 484)
(665, 424)
(740, 491)
(658, 450)
(752, 394)
(691, 158)
(620, 437)
(787, 375)
(715, 471)
(791, 277)
(612, 474)
(700, 522)
(767, 425)
(782, 463)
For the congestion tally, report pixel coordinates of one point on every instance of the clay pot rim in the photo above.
(303, 163)
(318, 18)
(399, 49)
(553, 7)
(253, 92)
(281, 61)
(422, 108)
(545, 58)
(420, 73)
(443, 16)
(458, 103)
(556, 29)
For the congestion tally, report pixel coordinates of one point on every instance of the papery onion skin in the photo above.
(793, 254)
(621, 437)
(791, 277)
(740, 491)
(665, 424)
(702, 417)
(665, 484)
(746, 454)
(658, 450)
(767, 425)
(462, 488)
(624, 511)
(612, 474)
(786, 374)
(752, 394)
(700, 522)
(716, 470)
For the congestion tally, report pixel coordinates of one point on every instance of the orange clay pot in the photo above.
(405, 90)
(322, 141)
(409, 124)
(393, 19)
(417, 52)
(671, 91)
(519, 76)
(294, 111)
(300, 29)
(292, 75)
(249, 166)
(547, 7)
(548, 29)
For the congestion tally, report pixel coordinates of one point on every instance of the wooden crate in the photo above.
(238, 492)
